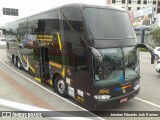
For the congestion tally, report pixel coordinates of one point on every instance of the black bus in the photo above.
(87, 52)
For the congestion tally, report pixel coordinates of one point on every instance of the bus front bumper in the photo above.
(117, 100)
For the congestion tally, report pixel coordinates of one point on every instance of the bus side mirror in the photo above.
(150, 49)
(96, 54)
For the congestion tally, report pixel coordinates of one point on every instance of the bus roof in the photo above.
(81, 5)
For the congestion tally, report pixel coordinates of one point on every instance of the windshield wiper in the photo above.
(91, 39)
(90, 32)
(136, 76)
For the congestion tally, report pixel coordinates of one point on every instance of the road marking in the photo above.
(145, 101)
(23, 91)
(20, 106)
(49, 90)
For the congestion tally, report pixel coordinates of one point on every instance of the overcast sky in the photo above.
(29, 7)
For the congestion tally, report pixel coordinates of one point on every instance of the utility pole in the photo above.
(126, 5)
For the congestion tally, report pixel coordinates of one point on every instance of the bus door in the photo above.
(81, 75)
(44, 63)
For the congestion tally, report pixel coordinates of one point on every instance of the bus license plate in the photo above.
(123, 100)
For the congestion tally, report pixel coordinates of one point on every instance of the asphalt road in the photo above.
(15, 87)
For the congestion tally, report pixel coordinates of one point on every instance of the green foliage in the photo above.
(156, 35)
(143, 50)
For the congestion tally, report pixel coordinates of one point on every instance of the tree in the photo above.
(156, 35)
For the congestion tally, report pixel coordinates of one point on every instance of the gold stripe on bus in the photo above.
(32, 69)
(29, 64)
(45, 40)
(63, 72)
(55, 64)
(38, 79)
(59, 41)
(50, 82)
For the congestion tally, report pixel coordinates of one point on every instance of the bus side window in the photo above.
(73, 32)
(52, 24)
(73, 25)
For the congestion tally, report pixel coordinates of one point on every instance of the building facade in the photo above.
(134, 5)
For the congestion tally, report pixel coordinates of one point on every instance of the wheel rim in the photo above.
(61, 86)
(14, 61)
(19, 64)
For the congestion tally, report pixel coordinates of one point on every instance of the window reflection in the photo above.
(117, 62)
(131, 62)
(73, 25)
(73, 31)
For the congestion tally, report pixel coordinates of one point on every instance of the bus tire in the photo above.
(14, 61)
(19, 65)
(59, 86)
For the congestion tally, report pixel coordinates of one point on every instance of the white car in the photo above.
(157, 53)
(2, 41)
(158, 66)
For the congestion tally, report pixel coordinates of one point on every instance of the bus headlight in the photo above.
(102, 97)
(136, 87)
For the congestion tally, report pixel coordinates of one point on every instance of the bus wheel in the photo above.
(19, 64)
(14, 61)
(60, 86)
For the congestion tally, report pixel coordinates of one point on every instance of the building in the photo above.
(1, 31)
(134, 5)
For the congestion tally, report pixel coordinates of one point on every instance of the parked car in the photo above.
(158, 66)
(2, 41)
(157, 53)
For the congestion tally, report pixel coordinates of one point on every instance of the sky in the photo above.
(29, 7)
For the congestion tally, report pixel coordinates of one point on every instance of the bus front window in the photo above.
(117, 63)
(103, 24)
(112, 66)
(131, 61)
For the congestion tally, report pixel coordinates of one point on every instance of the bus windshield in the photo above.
(117, 63)
(107, 24)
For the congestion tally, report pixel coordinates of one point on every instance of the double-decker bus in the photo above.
(87, 52)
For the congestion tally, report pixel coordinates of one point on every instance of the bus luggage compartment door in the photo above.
(44, 64)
